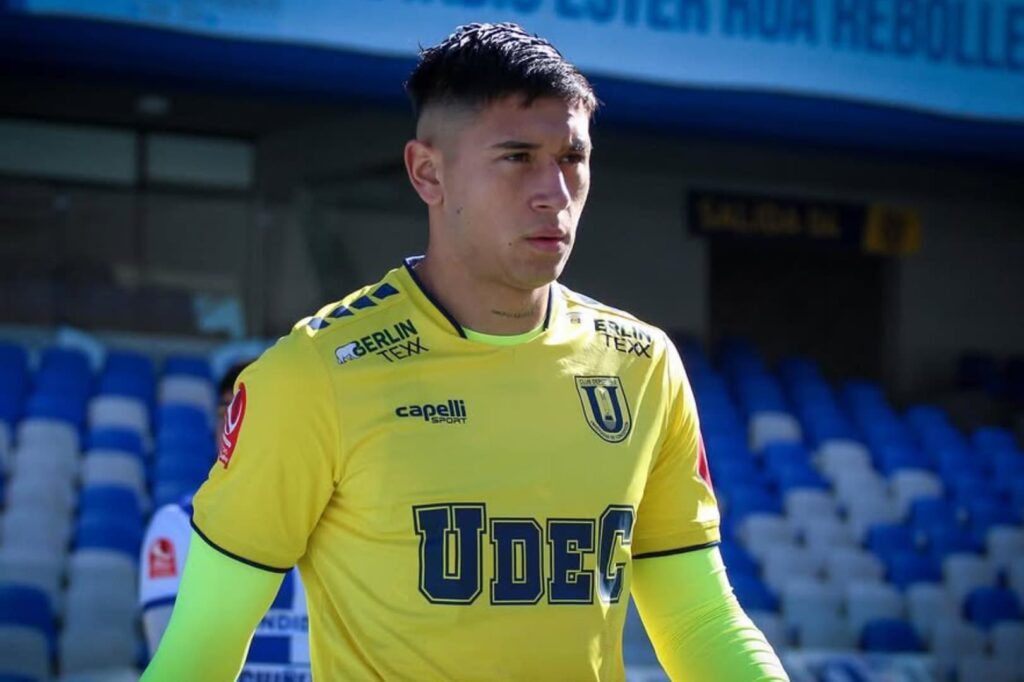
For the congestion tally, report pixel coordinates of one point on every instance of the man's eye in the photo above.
(574, 158)
(521, 156)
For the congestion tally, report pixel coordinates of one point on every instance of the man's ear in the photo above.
(423, 164)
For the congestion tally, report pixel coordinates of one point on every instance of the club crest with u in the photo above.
(605, 407)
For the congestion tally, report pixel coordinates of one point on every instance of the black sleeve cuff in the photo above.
(678, 550)
(247, 562)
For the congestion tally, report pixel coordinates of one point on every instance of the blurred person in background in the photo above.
(279, 650)
(472, 465)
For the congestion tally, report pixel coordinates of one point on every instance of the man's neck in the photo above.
(481, 306)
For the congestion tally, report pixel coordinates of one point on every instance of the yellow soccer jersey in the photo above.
(458, 510)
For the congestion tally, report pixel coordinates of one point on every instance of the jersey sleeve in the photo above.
(277, 464)
(163, 556)
(678, 511)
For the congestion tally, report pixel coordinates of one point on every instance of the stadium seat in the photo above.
(944, 539)
(761, 532)
(1015, 577)
(890, 636)
(119, 412)
(986, 606)
(781, 563)
(747, 500)
(773, 628)
(112, 500)
(928, 511)
(737, 559)
(803, 599)
(773, 427)
(801, 475)
(908, 567)
(122, 440)
(102, 530)
(35, 528)
(1003, 544)
(98, 564)
(844, 565)
(985, 669)
(24, 654)
(885, 539)
(929, 604)
(187, 365)
(38, 488)
(895, 457)
(183, 417)
(869, 510)
(112, 468)
(35, 568)
(825, 630)
(29, 607)
(101, 603)
(54, 435)
(909, 484)
(963, 573)
(826, 533)
(855, 484)
(834, 457)
(752, 593)
(1006, 641)
(867, 601)
(187, 390)
(953, 640)
(993, 438)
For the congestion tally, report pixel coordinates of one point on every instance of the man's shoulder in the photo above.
(606, 316)
(357, 314)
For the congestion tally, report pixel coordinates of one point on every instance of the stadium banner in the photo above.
(826, 666)
(876, 229)
(956, 57)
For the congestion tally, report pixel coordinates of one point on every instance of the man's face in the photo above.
(515, 180)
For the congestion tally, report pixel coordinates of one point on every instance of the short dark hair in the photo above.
(227, 382)
(480, 63)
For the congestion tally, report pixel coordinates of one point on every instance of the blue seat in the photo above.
(110, 438)
(178, 417)
(130, 363)
(129, 385)
(25, 606)
(1007, 464)
(111, 500)
(969, 485)
(199, 444)
(778, 455)
(66, 407)
(929, 511)
(986, 606)
(753, 594)
(993, 439)
(792, 476)
(69, 361)
(895, 456)
(889, 636)
(746, 500)
(985, 512)
(906, 567)
(170, 492)
(181, 466)
(944, 539)
(737, 559)
(99, 531)
(187, 365)
(885, 539)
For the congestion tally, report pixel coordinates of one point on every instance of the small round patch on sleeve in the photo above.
(232, 426)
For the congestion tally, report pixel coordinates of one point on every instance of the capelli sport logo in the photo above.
(451, 412)
(233, 417)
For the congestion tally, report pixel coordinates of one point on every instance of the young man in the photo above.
(471, 465)
(280, 646)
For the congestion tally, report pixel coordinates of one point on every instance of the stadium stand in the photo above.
(846, 525)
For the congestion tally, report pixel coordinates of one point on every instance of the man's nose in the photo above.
(551, 192)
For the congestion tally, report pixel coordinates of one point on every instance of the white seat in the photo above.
(1006, 641)
(853, 484)
(41, 569)
(33, 488)
(827, 533)
(154, 625)
(97, 648)
(126, 674)
(100, 603)
(866, 601)
(962, 573)
(100, 565)
(50, 433)
(825, 631)
(24, 652)
(773, 427)
(772, 626)
(928, 604)
(40, 459)
(953, 640)
(784, 563)
(866, 511)
(984, 669)
(1003, 544)
(807, 503)
(5, 447)
(806, 602)
(110, 467)
(1015, 577)
(37, 529)
(851, 564)
(187, 390)
(761, 532)
(117, 411)
(908, 485)
(836, 458)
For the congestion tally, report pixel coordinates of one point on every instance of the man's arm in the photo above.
(698, 629)
(219, 605)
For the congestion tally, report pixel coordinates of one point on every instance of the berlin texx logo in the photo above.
(398, 342)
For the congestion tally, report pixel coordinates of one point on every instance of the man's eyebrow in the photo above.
(576, 145)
